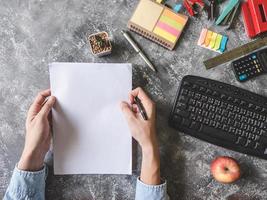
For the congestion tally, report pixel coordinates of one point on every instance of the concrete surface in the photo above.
(34, 33)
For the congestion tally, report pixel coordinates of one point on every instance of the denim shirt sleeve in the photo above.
(26, 185)
(151, 192)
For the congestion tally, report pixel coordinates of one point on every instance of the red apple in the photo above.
(225, 169)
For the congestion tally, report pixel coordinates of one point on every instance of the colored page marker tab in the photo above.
(223, 44)
(202, 37)
(218, 42)
(177, 8)
(208, 38)
(213, 40)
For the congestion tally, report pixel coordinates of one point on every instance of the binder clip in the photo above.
(254, 14)
(190, 6)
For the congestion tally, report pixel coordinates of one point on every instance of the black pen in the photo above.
(141, 108)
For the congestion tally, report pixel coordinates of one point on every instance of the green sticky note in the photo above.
(218, 42)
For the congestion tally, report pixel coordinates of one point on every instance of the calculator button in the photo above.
(254, 56)
(243, 77)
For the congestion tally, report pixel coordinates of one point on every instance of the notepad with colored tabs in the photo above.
(213, 41)
(157, 23)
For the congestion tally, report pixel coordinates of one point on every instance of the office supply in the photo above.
(191, 5)
(251, 65)
(141, 108)
(235, 53)
(228, 20)
(211, 10)
(254, 14)
(157, 23)
(221, 114)
(138, 50)
(100, 44)
(90, 134)
(160, 1)
(228, 8)
(213, 41)
(177, 7)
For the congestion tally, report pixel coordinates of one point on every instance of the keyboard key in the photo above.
(183, 113)
(195, 125)
(216, 133)
(241, 141)
(186, 122)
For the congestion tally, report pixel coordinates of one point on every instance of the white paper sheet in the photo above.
(91, 135)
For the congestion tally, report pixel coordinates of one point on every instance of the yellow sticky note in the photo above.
(160, 32)
(213, 40)
(218, 42)
(208, 38)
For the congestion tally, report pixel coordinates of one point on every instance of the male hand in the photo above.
(144, 132)
(38, 133)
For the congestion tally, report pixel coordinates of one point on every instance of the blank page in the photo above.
(90, 134)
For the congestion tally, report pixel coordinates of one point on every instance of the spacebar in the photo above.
(217, 133)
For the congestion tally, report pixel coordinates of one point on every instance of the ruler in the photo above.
(235, 53)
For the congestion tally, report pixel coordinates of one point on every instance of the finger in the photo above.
(128, 113)
(135, 108)
(45, 110)
(37, 103)
(140, 93)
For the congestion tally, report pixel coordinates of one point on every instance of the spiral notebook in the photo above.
(158, 23)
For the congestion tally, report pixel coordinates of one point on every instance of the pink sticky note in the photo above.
(202, 37)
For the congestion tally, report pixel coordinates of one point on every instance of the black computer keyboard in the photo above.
(221, 114)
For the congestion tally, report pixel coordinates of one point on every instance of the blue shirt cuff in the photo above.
(151, 192)
(26, 184)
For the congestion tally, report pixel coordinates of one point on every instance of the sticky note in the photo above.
(208, 38)
(171, 22)
(142, 18)
(166, 35)
(218, 42)
(169, 26)
(202, 37)
(223, 44)
(213, 40)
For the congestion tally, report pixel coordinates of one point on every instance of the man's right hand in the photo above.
(144, 132)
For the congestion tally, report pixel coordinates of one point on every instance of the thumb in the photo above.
(45, 110)
(128, 113)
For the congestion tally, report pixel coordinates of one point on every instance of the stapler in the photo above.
(254, 14)
(189, 5)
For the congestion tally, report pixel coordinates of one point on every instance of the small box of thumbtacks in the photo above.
(100, 44)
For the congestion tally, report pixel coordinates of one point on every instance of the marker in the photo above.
(141, 108)
(137, 49)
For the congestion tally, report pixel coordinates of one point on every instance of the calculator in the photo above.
(251, 65)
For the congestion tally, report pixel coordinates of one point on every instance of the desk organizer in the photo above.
(100, 44)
